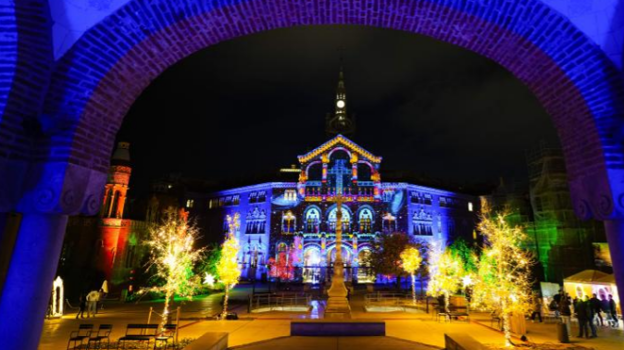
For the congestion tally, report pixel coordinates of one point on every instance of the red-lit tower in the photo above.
(113, 230)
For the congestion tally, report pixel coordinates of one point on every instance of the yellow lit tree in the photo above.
(173, 256)
(411, 260)
(228, 269)
(504, 277)
(445, 272)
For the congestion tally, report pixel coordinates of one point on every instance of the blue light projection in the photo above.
(302, 222)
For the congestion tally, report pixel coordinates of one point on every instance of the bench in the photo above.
(83, 333)
(169, 331)
(138, 333)
(457, 315)
(103, 332)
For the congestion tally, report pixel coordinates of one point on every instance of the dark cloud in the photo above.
(252, 104)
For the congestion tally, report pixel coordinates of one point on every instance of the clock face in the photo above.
(340, 104)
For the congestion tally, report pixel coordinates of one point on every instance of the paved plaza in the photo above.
(252, 331)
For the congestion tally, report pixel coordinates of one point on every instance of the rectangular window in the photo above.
(189, 203)
(428, 199)
(236, 200)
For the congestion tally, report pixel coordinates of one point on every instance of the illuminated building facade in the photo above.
(288, 228)
(563, 242)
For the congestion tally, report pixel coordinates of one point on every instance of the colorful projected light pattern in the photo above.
(296, 238)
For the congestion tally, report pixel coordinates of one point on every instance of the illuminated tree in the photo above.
(173, 257)
(228, 269)
(385, 257)
(445, 272)
(504, 278)
(210, 263)
(411, 260)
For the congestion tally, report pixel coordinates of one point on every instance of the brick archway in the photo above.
(97, 81)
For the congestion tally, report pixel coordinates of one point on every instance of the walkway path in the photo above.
(252, 328)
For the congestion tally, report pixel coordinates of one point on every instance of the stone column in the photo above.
(29, 280)
(337, 303)
(615, 238)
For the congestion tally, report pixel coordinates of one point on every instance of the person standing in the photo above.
(82, 304)
(582, 316)
(613, 312)
(537, 308)
(591, 315)
(566, 312)
(555, 303)
(92, 299)
(597, 309)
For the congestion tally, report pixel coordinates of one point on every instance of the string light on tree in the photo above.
(411, 260)
(173, 255)
(228, 268)
(445, 272)
(504, 279)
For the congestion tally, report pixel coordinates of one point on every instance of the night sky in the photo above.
(252, 104)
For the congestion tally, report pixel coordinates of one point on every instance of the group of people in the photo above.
(588, 312)
(90, 303)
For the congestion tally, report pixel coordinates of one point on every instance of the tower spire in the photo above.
(340, 122)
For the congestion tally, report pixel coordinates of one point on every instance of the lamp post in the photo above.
(337, 303)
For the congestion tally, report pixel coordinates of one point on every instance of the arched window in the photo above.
(312, 220)
(289, 221)
(346, 220)
(365, 220)
(315, 172)
(114, 213)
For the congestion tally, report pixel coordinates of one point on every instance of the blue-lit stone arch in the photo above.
(99, 78)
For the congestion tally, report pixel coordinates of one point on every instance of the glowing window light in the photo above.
(57, 297)
(469, 206)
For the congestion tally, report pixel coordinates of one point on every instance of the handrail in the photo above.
(257, 301)
(391, 299)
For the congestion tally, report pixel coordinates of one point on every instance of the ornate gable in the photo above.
(339, 140)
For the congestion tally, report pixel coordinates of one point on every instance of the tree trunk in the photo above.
(165, 315)
(506, 325)
(413, 289)
(225, 301)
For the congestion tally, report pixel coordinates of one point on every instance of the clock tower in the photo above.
(339, 122)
